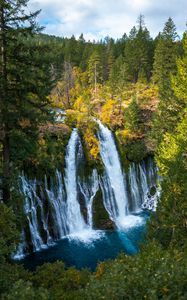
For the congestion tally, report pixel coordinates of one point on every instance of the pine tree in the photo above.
(24, 83)
(165, 57)
(164, 67)
(95, 70)
(116, 76)
(179, 81)
(171, 158)
(138, 52)
(119, 46)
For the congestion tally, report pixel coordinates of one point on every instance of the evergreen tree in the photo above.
(179, 81)
(95, 70)
(138, 53)
(24, 82)
(165, 57)
(116, 76)
(119, 46)
(164, 67)
(70, 50)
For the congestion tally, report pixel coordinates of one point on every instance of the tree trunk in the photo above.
(6, 168)
(4, 111)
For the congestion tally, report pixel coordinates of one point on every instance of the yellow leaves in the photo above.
(24, 123)
(94, 152)
(92, 143)
(41, 142)
(107, 111)
(124, 133)
(176, 189)
(80, 105)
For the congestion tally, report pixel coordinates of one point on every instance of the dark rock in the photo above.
(101, 218)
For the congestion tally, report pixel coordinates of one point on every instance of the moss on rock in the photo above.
(101, 218)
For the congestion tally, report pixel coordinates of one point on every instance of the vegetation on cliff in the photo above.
(137, 86)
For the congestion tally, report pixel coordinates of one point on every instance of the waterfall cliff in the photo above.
(54, 209)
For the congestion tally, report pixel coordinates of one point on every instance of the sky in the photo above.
(97, 19)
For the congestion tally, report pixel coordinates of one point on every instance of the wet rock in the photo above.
(101, 218)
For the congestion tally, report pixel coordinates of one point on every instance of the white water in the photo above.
(57, 200)
(108, 197)
(144, 183)
(30, 209)
(110, 158)
(55, 212)
(78, 228)
(134, 188)
(21, 250)
(89, 189)
(75, 219)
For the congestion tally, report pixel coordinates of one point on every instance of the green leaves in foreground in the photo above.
(152, 274)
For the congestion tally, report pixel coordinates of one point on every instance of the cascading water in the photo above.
(21, 250)
(30, 209)
(75, 219)
(134, 188)
(53, 209)
(142, 179)
(115, 178)
(89, 189)
(144, 183)
(57, 199)
(108, 197)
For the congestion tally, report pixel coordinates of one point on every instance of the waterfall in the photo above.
(76, 221)
(54, 208)
(143, 180)
(30, 208)
(115, 179)
(134, 188)
(20, 253)
(89, 189)
(108, 197)
(59, 202)
(56, 197)
(149, 179)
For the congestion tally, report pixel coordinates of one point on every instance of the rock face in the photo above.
(101, 218)
(56, 130)
(82, 200)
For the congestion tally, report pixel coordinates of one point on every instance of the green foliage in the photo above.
(25, 83)
(164, 67)
(9, 234)
(152, 274)
(165, 56)
(94, 69)
(100, 215)
(10, 274)
(109, 68)
(135, 150)
(24, 290)
(179, 81)
(50, 153)
(132, 116)
(138, 53)
(64, 284)
(171, 159)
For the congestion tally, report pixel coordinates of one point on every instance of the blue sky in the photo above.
(99, 18)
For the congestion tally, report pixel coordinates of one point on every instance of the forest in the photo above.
(137, 87)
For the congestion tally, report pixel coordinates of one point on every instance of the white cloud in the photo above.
(99, 18)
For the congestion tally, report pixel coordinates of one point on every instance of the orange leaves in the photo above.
(100, 270)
